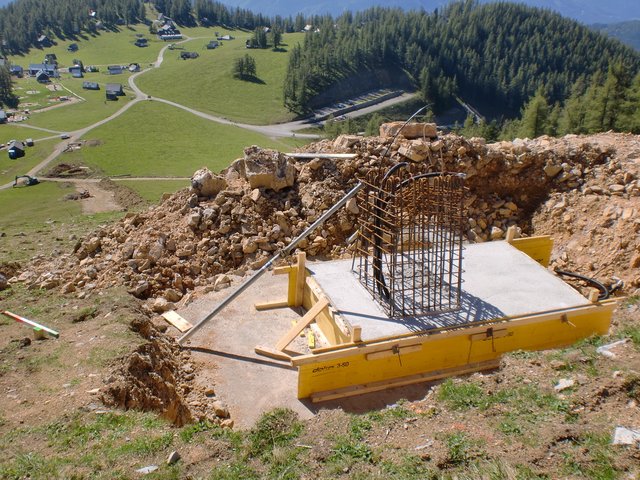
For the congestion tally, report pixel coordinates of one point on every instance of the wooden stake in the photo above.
(300, 278)
(271, 305)
(511, 233)
(356, 334)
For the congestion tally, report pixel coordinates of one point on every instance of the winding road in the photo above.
(273, 131)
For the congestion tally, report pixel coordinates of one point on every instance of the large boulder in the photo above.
(410, 130)
(206, 184)
(265, 168)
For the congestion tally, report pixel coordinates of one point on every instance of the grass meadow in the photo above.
(157, 140)
(104, 48)
(206, 83)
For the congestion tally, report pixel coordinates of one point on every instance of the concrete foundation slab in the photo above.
(499, 281)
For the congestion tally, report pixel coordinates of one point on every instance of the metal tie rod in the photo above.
(282, 253)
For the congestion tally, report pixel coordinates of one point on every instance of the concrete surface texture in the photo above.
(498, 281)
(251, 384)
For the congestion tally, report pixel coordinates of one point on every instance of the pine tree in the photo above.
(373, 125)
(7, 97)
(535, 117)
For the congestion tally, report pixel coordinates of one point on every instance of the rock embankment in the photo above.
(582, 190)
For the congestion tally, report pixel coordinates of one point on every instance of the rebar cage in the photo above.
(408, 252)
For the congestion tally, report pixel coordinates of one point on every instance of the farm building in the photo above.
(134, 67)
(92, 69)
(114, 69)
(50, 70)
(213, 44)
(169, 32)
(187, 55)
(3, 116)
(16, 71)
(43, 77)
(142, 42)
(226, 37)
(113, 91)
(44, 41)
(90, 86)
(76, 71)
(73, 47)
(15, 149)
(51, 59)
(78, 63)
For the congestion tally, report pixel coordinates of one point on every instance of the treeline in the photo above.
(602, 103)
(23, 21)
(496, 54)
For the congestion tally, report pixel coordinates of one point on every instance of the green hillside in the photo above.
(207, 84)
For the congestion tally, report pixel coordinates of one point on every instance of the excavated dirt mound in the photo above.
(262, 201)
(67, 170)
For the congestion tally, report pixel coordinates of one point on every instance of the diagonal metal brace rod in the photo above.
(281, 254)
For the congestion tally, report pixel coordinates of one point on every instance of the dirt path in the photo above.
(99, 200)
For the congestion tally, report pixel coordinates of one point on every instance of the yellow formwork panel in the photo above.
(446, 350)
(538, 248)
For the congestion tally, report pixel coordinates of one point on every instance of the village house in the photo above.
(15, 149)
(115, 69)
(16, 71)
(113, 91)
(35, 68)
(90, 86)
(3, 117)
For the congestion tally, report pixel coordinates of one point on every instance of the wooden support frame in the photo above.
(302, 324)
(297, 275)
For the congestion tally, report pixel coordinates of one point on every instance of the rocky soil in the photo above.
(584, 191)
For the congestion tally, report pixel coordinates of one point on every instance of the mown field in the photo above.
(157, 140)
(207, 84)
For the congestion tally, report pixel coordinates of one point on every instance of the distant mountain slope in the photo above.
(626, 32)
(586, 11)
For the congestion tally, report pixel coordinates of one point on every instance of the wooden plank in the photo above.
(271, 305)
(302, 324)
(282, 270)
(177, 321)
(403, 381)
(396, 350)
(538, 248)
(271, 353)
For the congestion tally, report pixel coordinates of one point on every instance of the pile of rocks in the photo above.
(231, 222)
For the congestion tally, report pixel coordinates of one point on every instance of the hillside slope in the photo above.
(626, 32)
(586, 11)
